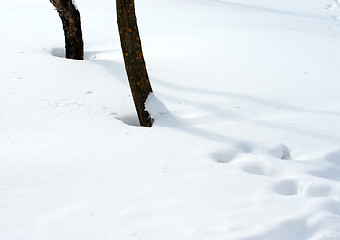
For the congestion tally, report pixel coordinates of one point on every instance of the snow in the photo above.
(245, 143)
(75, 5)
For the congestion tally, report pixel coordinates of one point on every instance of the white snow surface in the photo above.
(245, 143)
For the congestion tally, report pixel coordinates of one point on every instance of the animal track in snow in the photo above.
(229, 155)
(329, 172)
(317, 189)
(290, 187)
(334, 158)
(225, 156)
(245, 146)
(264, 160)
(254, 168)
(332, 206)
(286, 187)
(280, 152)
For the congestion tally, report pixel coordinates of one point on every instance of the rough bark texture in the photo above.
(133, 58)
(70, 18)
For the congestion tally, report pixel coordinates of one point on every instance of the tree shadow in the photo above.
(261, 101)
(217, 111)
(114, 68)
(117, 70)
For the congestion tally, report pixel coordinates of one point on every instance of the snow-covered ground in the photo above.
(246, 140)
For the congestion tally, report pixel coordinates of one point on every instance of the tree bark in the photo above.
(133, 58)
(70, 18)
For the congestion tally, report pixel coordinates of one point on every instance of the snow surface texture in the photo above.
(246, 140)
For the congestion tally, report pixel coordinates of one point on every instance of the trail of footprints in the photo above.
(318, 180)
(277, 162)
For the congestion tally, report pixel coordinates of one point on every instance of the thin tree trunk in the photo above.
(133, 58)
(70, 18)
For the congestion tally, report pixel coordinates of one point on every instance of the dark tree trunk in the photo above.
(70, 17)
(133, 58)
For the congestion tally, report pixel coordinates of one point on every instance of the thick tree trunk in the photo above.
(133, 58)
(70, 18)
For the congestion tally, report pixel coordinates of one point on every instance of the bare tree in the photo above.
(133, 58)
(70, 18)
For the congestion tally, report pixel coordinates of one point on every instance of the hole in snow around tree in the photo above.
(58, 52)
(130, 119)
(102, 55)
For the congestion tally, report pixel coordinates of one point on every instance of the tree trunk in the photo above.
(70, 18)
(133, 58)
